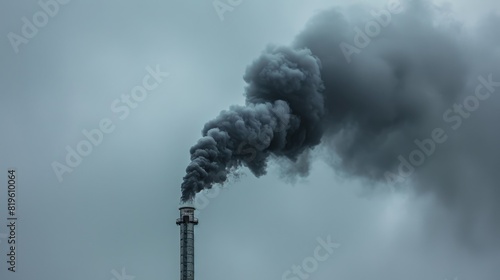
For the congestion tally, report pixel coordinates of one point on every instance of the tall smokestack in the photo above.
(187, 221)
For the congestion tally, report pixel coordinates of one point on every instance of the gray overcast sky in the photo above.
(117, 208)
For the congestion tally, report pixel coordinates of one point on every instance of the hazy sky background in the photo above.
(118, 207)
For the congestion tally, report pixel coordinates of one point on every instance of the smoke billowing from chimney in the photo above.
(368, 111)
(282, 116)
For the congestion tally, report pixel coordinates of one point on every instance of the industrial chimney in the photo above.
(187, 221)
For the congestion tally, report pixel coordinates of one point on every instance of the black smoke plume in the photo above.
(369, 107)
(282, 116)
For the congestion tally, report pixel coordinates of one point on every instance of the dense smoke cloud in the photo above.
(416, 77)
(282, 117)
(392, 92)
